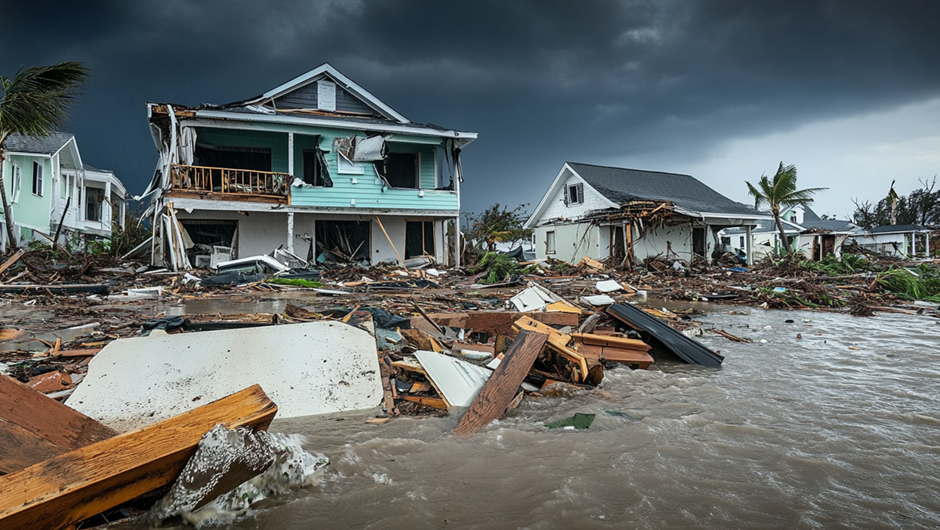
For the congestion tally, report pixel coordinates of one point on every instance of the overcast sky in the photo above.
(848, 91)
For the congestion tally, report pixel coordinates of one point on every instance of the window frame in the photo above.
(37, 178)
(550, 243)
(578, 189)
(345, 166)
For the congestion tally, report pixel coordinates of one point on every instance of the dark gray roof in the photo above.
(896, 228)
(624, 185)
(47, 145)
(812, 221)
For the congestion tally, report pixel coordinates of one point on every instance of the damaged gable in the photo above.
(325, 90)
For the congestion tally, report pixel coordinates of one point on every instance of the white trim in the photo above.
(336, 124)
(553, 189)
(345, 166)
(345, 82)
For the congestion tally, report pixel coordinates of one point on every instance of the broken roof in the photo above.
(622, 185)
(45, 145)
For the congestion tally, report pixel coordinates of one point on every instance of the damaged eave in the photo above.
(461, 138)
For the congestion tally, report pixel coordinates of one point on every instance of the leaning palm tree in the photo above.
(34, 104)
(779, 194)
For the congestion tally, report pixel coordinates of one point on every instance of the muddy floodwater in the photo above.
(837, 429)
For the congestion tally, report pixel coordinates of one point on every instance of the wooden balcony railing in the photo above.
(229, 181)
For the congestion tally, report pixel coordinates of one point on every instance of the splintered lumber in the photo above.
(634, 358)
(6, 264)
(557, 342)
(435, 402)
(76, 485)
(34, 427)
(500, 389)
(687, 349)
(615, 342)
(496, 322)
(421, 339)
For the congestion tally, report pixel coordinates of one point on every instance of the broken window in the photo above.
(315, 172)
(37, 179)
(419, 239)
(400, 170)
(94, 198)
(344, 241)
(575, 193)
(549, 242)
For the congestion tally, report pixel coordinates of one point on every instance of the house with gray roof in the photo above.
(626, 215)
(46, 185)
(896, 240)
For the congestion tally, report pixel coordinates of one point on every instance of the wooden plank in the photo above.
(437, 403)
(76, 485)
(498, 322)
(637, 359)
(616, 342)
(8, 263)
(502, 386)
(557, 342)
(26, 411)
(421, 339)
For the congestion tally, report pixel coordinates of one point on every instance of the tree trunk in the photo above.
(783, 235)
(6, 205)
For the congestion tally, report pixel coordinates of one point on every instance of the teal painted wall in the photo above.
(366, 188)
(29, 209)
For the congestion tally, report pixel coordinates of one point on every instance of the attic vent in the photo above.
(326, 96)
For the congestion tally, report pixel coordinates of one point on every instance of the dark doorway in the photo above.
(313, 169)
(401, 170)
(343, 240)
(617, 245)
(419, 239)
(698, 241)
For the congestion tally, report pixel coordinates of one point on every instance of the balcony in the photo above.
(229, 184)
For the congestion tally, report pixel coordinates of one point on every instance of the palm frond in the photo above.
(35, 101)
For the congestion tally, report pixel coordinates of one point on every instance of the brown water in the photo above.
(789, 433)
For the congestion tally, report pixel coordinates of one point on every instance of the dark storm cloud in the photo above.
(541, 82)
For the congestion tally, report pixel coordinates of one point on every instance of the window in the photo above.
(346, 166)
(400, 170)
(17, 183)
(742, 241)
(549, 242)
(95, 196)
(419, 239)
(575, 194)
(37, 179)
(314, 173)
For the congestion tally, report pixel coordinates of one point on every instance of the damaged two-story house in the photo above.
(317, 166)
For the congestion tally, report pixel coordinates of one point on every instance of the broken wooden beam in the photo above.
(34, 427)
(500, 389)
(74, 486)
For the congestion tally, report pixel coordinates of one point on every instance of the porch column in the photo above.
(927, 245)
(106, 210)
(290, 232)
(123, 213)
(457, 241)
(748, 243)
(290, 156)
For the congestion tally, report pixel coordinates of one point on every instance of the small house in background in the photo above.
(317, 166)
(47, 184)
(896, 240)
(627, 215)
(765, 238)
(105, 203)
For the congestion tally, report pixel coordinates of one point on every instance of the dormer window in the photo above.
(575, 194)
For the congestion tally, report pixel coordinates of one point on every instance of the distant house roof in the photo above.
(622, 185)
(890, 229)
(46, 145)
(767, 225)
(812, 221)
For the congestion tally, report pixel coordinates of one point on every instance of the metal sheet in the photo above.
(459, 381)
(689, 350)
(310, 368)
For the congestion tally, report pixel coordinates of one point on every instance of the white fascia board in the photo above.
(326, 68)
(308, 122)
(23, 153)
(237, 206)
(106, 176)
(750, 217)
(553, 188)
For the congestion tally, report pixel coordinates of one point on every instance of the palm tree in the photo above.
(779, 194)
(34, 104)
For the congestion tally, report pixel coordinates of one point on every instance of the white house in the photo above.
(628, 215)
